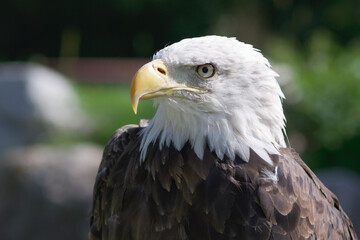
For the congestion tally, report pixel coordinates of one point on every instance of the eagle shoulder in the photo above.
(175, 195)
(333, 214)
(103, 187)
(300, 206)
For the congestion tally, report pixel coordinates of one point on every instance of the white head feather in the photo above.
(241, 110)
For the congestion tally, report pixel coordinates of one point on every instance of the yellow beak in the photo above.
(152, 80)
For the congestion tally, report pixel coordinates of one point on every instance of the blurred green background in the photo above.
(314, 45)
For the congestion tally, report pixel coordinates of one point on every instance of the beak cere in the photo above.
(150, 81)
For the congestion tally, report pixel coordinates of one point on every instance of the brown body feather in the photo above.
(173, 195)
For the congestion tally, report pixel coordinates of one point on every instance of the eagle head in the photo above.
(214, 92)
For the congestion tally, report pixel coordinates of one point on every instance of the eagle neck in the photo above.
(171, 126)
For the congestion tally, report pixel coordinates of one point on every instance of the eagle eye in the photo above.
(206, 70)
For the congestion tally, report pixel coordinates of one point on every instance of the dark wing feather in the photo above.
(103, 188)
(323, 211)
(133, 201)
(175, 195)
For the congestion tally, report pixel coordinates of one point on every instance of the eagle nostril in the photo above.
(161, 70)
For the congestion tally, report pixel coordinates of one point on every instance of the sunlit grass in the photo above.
(109, 106)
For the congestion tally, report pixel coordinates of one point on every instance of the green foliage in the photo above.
(326, 109)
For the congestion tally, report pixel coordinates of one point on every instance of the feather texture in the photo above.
(175, 195)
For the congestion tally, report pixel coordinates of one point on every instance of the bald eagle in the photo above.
(212, 163)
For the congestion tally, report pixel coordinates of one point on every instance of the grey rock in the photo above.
(34, 99)
(46, 192)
